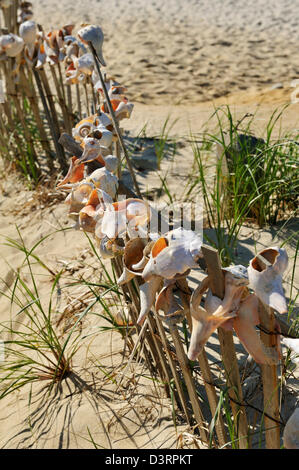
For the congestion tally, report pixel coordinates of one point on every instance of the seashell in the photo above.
(267, 283)
(174, 253)
(74, 174)
(111, 163)
(67, 30)
(110, 248)
(41, 56)
(91, 212)
(238, 271)
(11, 44)
(103, 135)
(94, 35)
(83, 64)
(291, 431)
(27, 31)
(133, 253)
(124, 110)
(148, 292)
(103, 179)
(79, 196)
(102, 119)
(215, 312)
(83, 128)
(117, 91)
(122, 317)
(244, 325)
(292, 343)
(126, 215)
(167, 302)
(146, 254)
(92, 151)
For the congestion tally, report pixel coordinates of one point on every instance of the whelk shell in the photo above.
(267, 282)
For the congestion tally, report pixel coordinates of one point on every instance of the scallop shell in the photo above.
(291, 431)
(267, 283)
(94, 35)
(174, 253)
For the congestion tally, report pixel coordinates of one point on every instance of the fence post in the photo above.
(229, 358)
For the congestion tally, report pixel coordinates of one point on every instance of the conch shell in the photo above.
(133, 253)
(75, 172)
(172, 254)
(104, 180)
(11, 44)
(94, 35)
(27, 31)
(267, 282)
(123, 216)
(215, 312)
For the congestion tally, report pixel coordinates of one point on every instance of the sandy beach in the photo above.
(178, 58)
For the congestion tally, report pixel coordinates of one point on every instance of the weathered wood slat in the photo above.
(229, 358)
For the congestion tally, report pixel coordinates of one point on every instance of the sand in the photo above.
(178, 59)
(188, 51)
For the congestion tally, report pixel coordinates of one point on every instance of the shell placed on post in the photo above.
(27, 31)
(105, 180)
(267, 283)
(174, 253)
(94, 35)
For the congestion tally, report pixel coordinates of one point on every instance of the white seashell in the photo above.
(267, 283)
(174, 253)
(102, 119)
(105, 180)
(292, 343)
(11, 44)
(124, 110)
(125, 215)
(41, 56)
(27, 31)
(83, 64)
(291, 431)
(92, 150)
(111, 163)
(79, 196)
(148, 292)
(94, 35)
